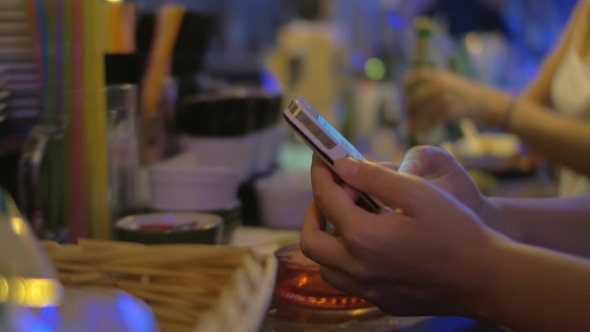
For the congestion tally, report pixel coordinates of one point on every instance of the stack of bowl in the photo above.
(235, 128)
(183, 184)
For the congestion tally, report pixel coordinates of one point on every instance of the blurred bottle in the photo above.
(421, 59)
(422, 55)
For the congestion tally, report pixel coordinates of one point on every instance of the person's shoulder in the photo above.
(583, 5)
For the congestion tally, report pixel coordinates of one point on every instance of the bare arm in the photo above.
(539, 89)
(532, 289)
(561, 224)
(561, 139)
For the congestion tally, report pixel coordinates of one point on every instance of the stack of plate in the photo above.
(19, 73)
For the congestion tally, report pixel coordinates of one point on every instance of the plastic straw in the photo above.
(73, 78)
(129, 25)
(115, 41)
(169, 19)
(33, 13)
(95, 122)
(121, 28)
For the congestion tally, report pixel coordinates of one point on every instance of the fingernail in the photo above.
(409, 167)
(347, 167)
(385, 210)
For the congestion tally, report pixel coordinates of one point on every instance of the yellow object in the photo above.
(95, 123)
(317, 77)
(18, 225)
(31, 292)
(120, 18)
(169, 19)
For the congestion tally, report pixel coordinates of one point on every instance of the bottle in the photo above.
(420, 59)
(422, 56)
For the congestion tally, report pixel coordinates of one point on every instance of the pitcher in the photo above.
(78, 167)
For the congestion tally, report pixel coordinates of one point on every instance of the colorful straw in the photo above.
(95, 122)
(169, 19)
(73, 76)
(74, 79)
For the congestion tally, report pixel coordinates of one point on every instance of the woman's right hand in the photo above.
(438, 167)
(435, 259)
(439, 96)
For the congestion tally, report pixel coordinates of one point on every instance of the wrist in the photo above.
(492, 213)
(496, 107)
(487, 300)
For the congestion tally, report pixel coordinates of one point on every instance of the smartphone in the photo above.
(324, 139)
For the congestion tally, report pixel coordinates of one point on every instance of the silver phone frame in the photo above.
(329, 155)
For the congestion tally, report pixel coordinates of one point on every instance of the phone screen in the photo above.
(352, 151)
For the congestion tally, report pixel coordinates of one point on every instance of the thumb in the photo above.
(396, 190)
(428, 162)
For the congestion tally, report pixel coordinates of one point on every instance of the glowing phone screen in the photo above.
(352, 151)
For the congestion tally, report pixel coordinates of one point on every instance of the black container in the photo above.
(276, 108)
(215, 116)
(232, 219)
(192, 42)
(124, 68)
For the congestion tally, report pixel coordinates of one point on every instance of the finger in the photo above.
(391, 166)
(423, 98)
(342, 282)
(396, 190)
(319, 246)
(428, 162)
(352, 193)
(335, 202)
(418, 76)
(319, 165)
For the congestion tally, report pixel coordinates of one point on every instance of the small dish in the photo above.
(171, 228)
(283, 198)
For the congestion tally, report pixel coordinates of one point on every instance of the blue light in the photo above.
(396, 21)
(141, 319)
(51, 315)
(31, 322)
(270, 83)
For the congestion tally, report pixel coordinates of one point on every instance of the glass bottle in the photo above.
(421, 58)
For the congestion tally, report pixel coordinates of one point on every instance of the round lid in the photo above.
(194, 220)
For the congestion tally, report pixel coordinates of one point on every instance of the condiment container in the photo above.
(283, 198)
(171, 228)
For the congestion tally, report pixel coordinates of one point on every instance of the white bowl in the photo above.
(283, 199)
(230, 152)
(183, 184)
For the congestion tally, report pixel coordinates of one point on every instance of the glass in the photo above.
(123, 149)
(78, 168)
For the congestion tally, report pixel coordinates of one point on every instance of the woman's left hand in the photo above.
(435, 259)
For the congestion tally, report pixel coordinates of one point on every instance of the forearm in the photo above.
(561, 224)
(560, 138)
(531, 289)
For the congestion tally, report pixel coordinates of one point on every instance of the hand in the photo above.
(436, 97)
(438, 167)
(433, 260)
